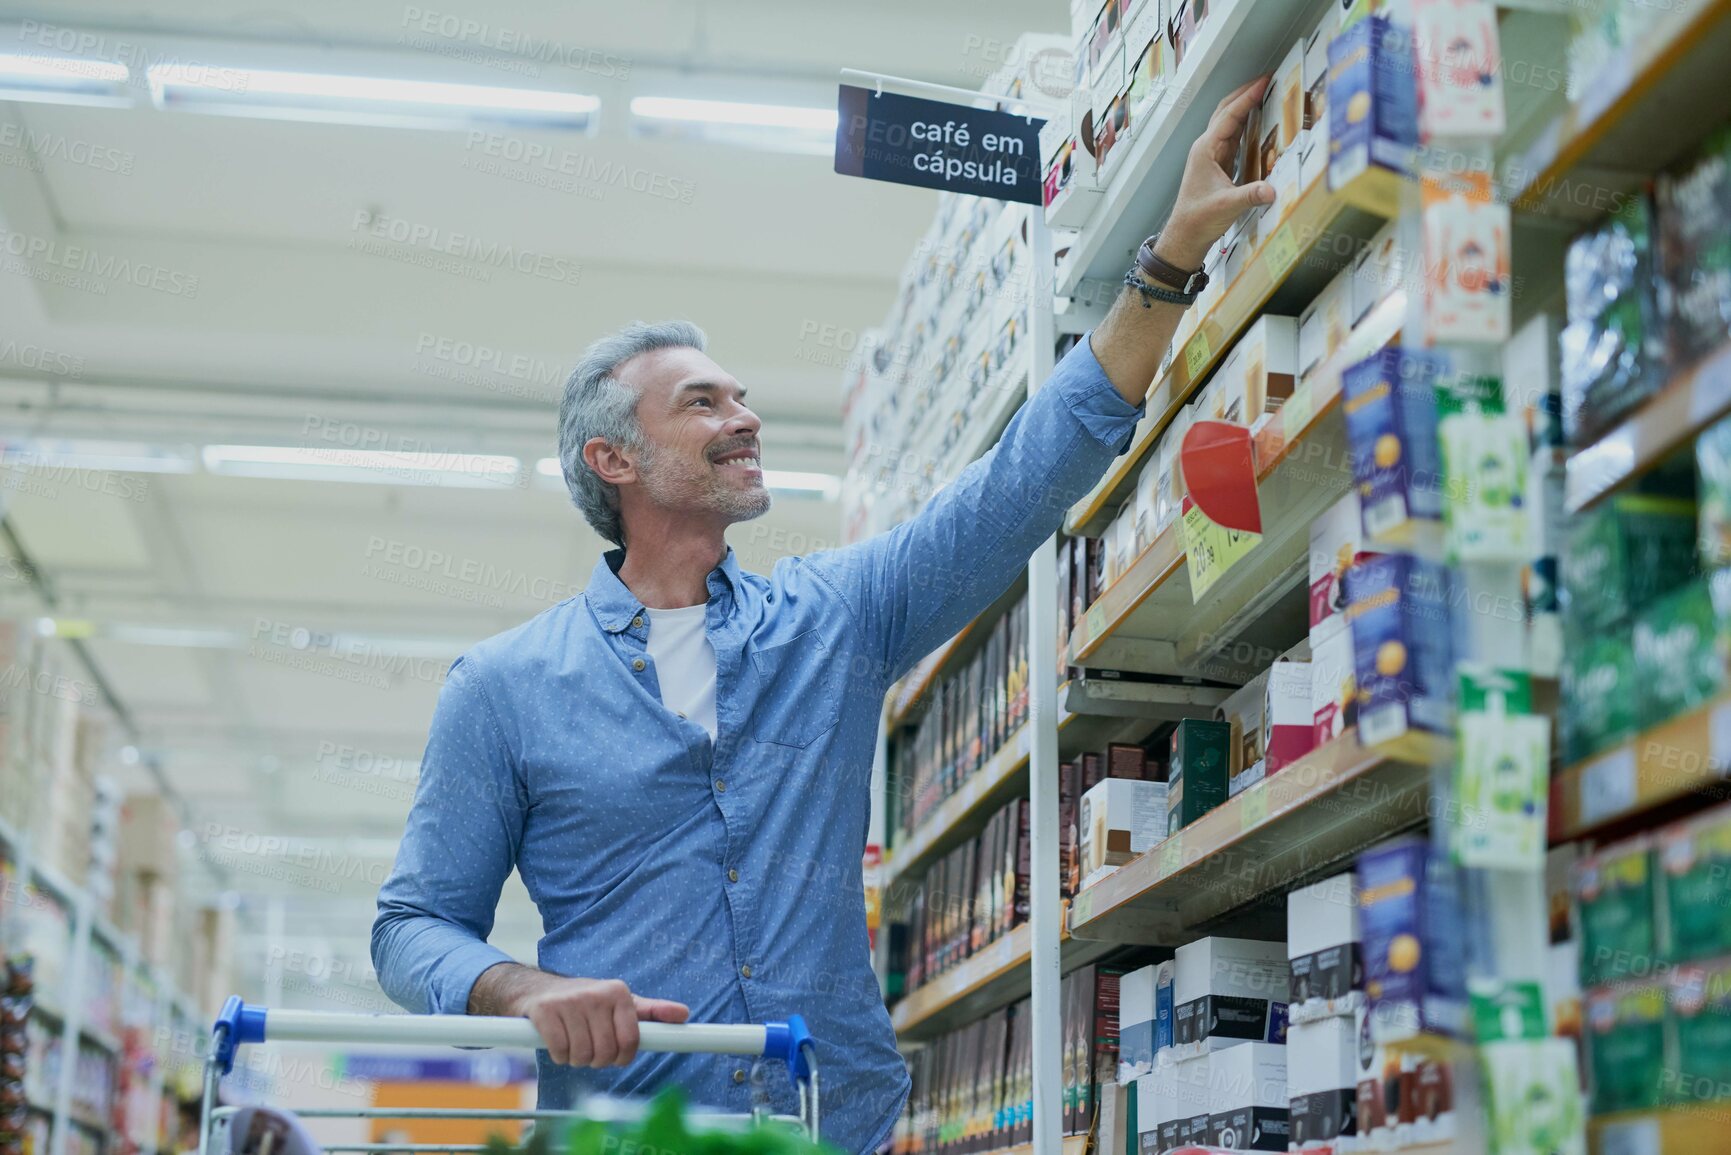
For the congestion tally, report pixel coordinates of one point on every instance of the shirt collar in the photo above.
(615, 605)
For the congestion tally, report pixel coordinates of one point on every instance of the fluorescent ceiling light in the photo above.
(113, 456)
(775, 127)
(373, 100)
(822, 485)
(373, 466)
(63, 80)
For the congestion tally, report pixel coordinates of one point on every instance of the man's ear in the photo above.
(608, 462)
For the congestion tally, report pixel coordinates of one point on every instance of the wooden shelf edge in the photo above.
(1274, 800)
(967, 977)
(1694, 399)
(1164, 557)
(952, 811)
(1659, 765)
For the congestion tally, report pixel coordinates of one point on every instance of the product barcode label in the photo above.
(1384, 724)
(1635, 1137)
(1608, 786)
(1385, 515)
(1081, 908)
(1296, 413)
(1196, 356)
(1096, 623)
(1253, 806)
(1171, 856)
(1281, 253)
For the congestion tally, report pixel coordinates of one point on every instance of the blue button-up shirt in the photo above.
(551, 752)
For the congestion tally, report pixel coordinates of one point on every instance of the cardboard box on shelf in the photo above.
(1403, 657)
(1460, 84)
(1228, 991)
(149, 836)
(1243, 713)
(1138, 1014)
(1615, 912)
(1373, 110)
(1679, 654)
(1324, 325)
(1379, 271)
(1336, 545)
(1120, 818)
(1467, 238)
(1287, 730)
(1322, 1064)
(1391, 426)
(1197, 777)
(1626, 1046)
(1249, 1098)
(1621, 556)
(1333, 684)
(1694, 218)
(1414, 953)
(1324, 943)
(1694, 859)
(1600, 702)
(1261, 370)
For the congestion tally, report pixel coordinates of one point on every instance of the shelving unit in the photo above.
(1683, 756)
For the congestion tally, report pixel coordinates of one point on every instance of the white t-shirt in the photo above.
(684, 663)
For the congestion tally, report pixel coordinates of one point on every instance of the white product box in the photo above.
(1229, 991)
(1249, 1097)
(1287, 733)
(1280, 118)
(1107, 81)
(1126, 525)
(1119, 819)
(1466, 250)
(1243, 712)
(1287, 178)
(1173, 489)
(1138, 1015)
(1322, 1083)
(1238, 253)
(1193, 1099)
(1381, 268)
(1333, 682)
(1262, 368)
(1147, 503)
(1336, 543)
(1113, 1106)
(1460, 87)
(1323, 326)
(1323, 941)
(1145, 23)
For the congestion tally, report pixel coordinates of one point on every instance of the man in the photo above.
(676, 760)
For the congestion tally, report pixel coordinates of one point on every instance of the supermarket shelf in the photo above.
(1090, 716)
(1658, 765)
(1692, 1128)
(1244, 36)
(906, 697)
(1646, 110)
(1309, 817)
(995, 977)
(1302, 468)
(86, 1031)
(1072, 1145)
(1295, 261)
(1671, 418)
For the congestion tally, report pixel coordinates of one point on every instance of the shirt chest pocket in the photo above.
(799, 691)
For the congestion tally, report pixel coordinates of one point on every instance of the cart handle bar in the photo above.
(241, 1023)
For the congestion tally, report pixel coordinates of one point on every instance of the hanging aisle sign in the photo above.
(933, 144)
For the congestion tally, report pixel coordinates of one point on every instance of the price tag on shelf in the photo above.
(1171, 855)
(1634, 1137)
(1296, 413)
(1096, 621)
(1253, 806)
(1608, 786)
(1082, 907)
(1196, 355)
(1280, 253)
(1210, 549)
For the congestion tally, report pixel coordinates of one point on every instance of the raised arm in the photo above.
(915, 586)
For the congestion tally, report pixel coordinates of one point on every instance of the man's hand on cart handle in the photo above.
(584, 1022)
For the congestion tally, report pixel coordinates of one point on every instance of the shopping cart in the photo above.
(240, 1023)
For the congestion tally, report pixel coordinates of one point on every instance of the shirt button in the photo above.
(745, 970)
(720, 786)
(637, 664)
(637, 622)
(733, 876)
(738, 1075)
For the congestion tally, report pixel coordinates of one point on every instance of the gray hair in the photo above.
(598, 404)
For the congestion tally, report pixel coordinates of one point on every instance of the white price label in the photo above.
(1719, 741)
(1635, 1137)
(1608, 786)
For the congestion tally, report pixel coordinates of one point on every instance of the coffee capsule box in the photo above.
(1693, 864)
(1198, 778)
(1398, 609)
(1414, 953)
(1391, 426)
(1615, 907)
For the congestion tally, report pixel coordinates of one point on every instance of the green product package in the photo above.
(1502, 773)
(1694, 217)
(1200, 767)
(1484, 456)
(1700, 1015)
(1622, 555)
(1678, 664)
(1694, 862)
(1615, 905)
(1626, 1042)
(1599, 698)
(1713, 491)
(1533, 1099)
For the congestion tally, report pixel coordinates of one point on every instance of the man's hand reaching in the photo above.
(584, 1022)
(1130, 342)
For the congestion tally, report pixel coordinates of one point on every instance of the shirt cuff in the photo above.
(1092, 397)
(455, 976)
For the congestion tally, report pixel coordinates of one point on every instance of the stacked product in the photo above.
(971, 897)
(971, 1088)
(17, 986)
(1655, 957)
(969, 717)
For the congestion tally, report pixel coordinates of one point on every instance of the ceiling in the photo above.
(279, 645)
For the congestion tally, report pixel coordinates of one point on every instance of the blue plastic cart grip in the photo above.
(237, 1024)
(788, 1042)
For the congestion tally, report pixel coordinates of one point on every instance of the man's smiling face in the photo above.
(704, 453)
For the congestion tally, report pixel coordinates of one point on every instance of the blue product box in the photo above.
(1414, 965)
(1391, 428)
(1163, 1006)
(1372, 114)
(1403, 654)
